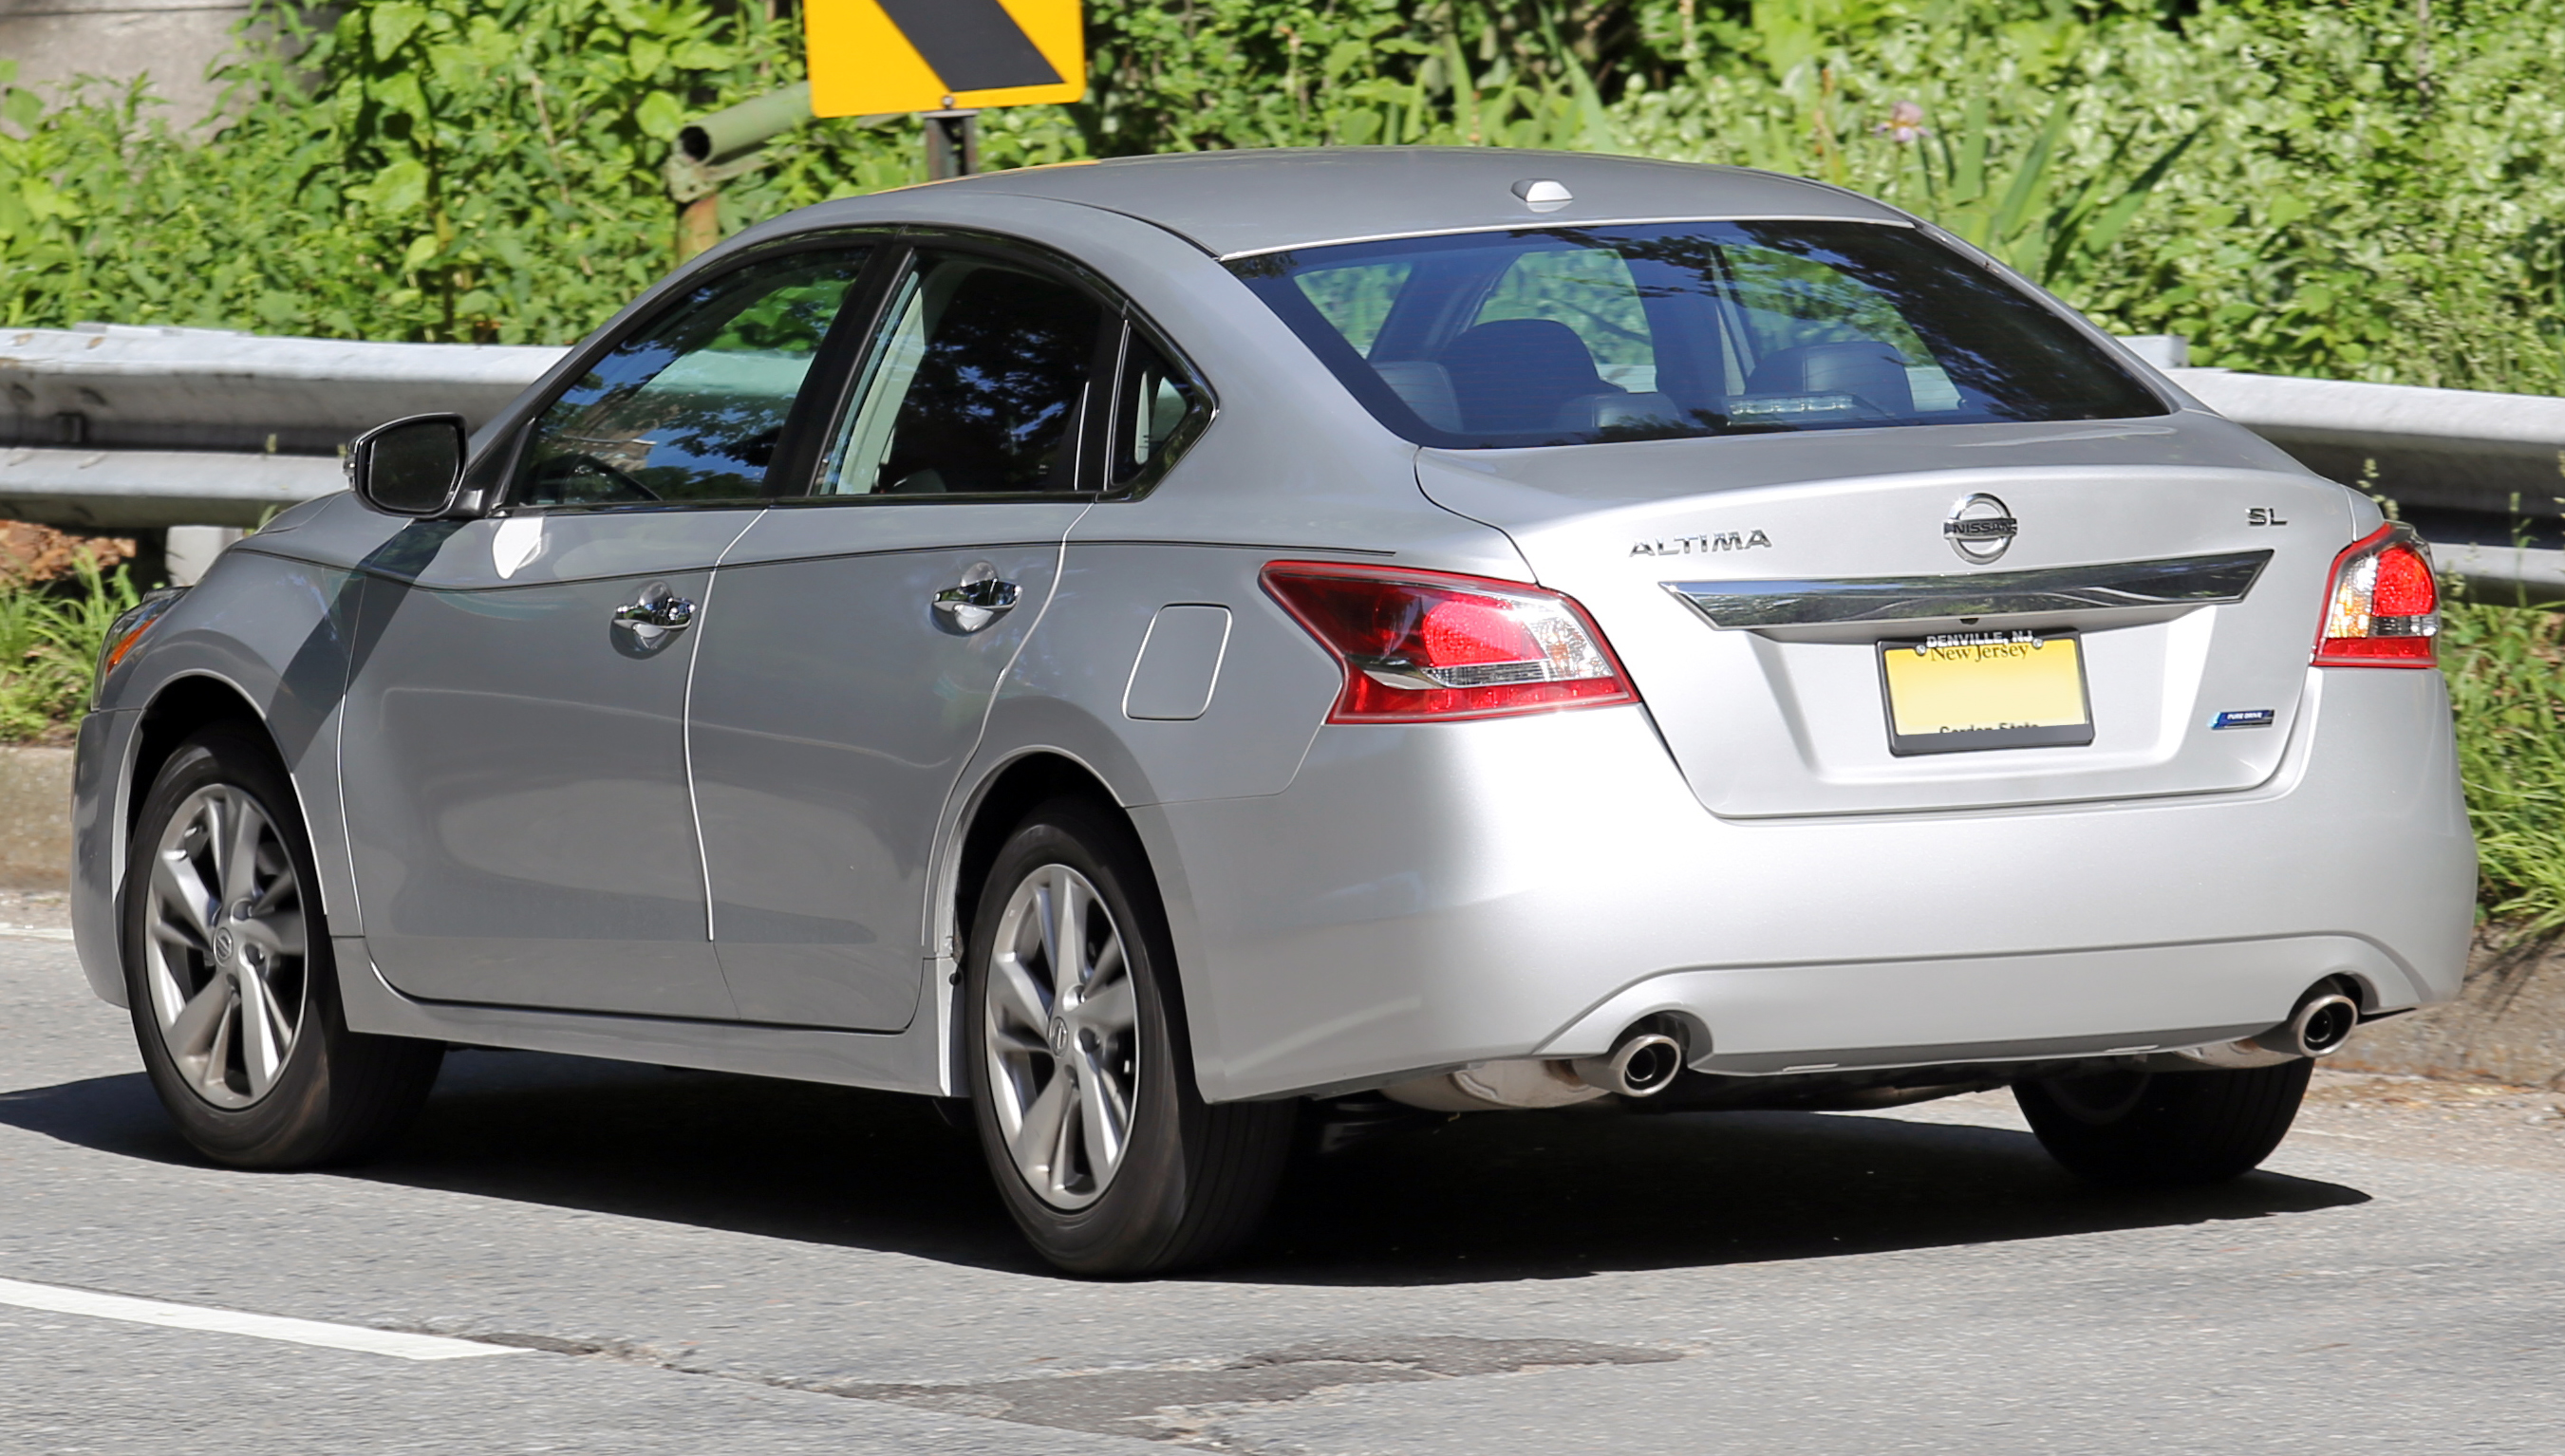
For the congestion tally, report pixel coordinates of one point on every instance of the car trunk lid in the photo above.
(1747, 584)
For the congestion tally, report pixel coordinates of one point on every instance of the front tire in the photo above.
(228, 973)
(2162, 1129)
(1081, 1082)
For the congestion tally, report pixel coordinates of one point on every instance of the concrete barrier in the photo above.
(35, 818)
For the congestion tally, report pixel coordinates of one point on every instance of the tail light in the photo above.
(2383, 608)
(1423, 645)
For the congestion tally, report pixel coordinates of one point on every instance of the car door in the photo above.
(858, 636)
(515, 764)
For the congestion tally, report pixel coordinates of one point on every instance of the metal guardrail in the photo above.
(136, 428)
(125, 428)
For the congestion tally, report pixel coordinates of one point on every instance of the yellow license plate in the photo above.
(1972, 690)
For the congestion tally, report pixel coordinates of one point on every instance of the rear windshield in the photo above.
(1572, 336)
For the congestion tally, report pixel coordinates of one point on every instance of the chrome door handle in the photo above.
(979, 599)
(658, 612)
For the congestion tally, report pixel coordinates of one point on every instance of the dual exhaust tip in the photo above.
(2323, 1022)
(1642, 1065)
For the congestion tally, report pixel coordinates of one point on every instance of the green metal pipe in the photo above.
(729, 132)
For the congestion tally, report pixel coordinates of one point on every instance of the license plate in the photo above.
(1972, 690)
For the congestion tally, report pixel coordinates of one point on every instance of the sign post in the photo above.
(946, 59)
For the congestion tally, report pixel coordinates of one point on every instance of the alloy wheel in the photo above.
(224, 953)
(1061, 1035)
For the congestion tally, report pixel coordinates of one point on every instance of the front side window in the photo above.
(976, 386)
(1574, 336)
(690, 408)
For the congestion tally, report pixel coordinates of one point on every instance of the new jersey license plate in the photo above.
(1973, 690)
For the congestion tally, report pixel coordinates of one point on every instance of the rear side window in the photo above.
(1157, 413)
(978, 384)
(691, 406)
(1574, 336)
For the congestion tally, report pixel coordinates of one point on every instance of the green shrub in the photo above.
(51, 634)
(2506, 671)
(2348, 194)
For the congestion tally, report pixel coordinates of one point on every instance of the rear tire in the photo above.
(228, 972)
(1079, 1071)
(2140, 1129)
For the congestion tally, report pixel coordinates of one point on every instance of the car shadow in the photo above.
(1512, 1196)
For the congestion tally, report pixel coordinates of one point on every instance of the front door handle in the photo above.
(658, 612)
(979, 599)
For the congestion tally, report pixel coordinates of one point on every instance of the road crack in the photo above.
(1179, 1405)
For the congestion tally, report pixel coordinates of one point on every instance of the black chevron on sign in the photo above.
(971, 45)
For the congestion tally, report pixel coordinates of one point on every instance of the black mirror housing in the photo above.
(409, 467)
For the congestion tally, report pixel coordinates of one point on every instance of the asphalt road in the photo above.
(679, 1261)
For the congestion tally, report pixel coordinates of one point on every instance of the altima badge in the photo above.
(1981, 528)
(1708, 541)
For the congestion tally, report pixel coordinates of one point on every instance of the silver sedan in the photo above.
(1180, 655)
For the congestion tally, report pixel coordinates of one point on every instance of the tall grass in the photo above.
(50, 637)
(2506, 671)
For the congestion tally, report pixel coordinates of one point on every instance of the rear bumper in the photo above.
(1423, 897)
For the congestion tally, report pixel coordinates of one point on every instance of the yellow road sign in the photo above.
(871, 55)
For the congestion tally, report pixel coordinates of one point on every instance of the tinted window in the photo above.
(1577, 335)
(976, 387)
(1156, 415)
(691, 406)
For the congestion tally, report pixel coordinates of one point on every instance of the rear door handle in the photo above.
(658, 612)
(977, 599)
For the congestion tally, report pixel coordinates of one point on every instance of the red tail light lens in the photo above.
(2383, 608)
(1424, 646)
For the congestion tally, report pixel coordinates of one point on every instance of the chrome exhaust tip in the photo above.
(2319, 1026)
(1642, 1065)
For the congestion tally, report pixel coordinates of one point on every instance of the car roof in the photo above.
(1236, 202)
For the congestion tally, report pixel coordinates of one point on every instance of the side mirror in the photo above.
(409, 467)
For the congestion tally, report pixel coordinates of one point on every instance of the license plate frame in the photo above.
(1967, 692)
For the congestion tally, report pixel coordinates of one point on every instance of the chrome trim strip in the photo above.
(2188, 580)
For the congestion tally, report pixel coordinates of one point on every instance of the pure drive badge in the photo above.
(2246, 718)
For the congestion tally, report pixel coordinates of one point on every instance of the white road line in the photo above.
(59, 1301)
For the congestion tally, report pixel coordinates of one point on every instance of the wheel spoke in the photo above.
(191, 1031)
(275, 934)
(1039, 1130)
(1111, 1007)
(1013, 996)
(1064, 1152)
(1107, 1121)
(1068, 936)
(174, 875)
(263, 1041)
(236, 862)
(1045, 919)
(174, 933)
(214, 1074)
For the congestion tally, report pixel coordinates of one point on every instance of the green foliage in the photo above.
(49, 638)
(430, 169)
(2331, 191)
(2506, 671)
